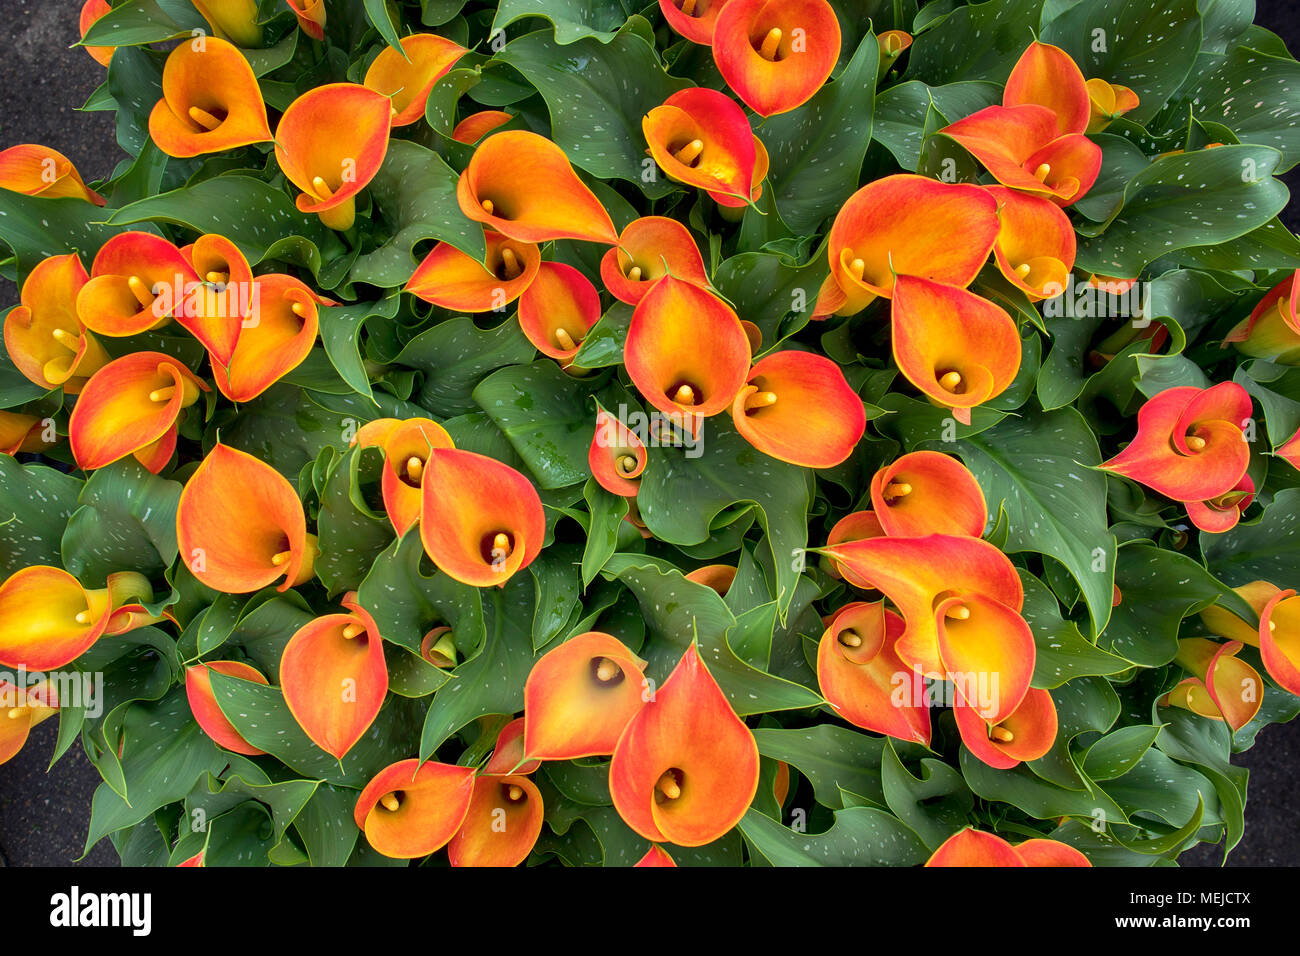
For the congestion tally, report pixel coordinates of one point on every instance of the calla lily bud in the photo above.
(1272, 330)
(233, 20)
(648, 249)
(508, 754)
(203, 703)
(558, 309)
(47, 619)
(892, 44)
(91, 11)
(617, 457)
(211, 101)
(1223, 687)
(44, 337)
(40, 171)
(438, 647)
(927, 492)
(408, 79)
(311, 17)
(856, 526)
(1222, 512)
(19, 432)
(413, 808)
(1108, 101)
(655, 856)
(477, 125)
(1289, 450)
(450, 279)
(502, 824)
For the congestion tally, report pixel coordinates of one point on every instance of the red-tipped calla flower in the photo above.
(480, 520)
(959, 349)
(450, 279)
(91, 11)
(648, 249)
(906, 225)
(40, 171)
(1027, 733)
(131, 407)
(408, 79)
(1107, 102)
(19, 432)
(797, 407)
(1223, 688)
(211, 101)
(47, 619)
(330, 143)
(522, 185)
(23, 708)
(477, 125)
(204, 707)
(275, 339)
(686, 351)
(656, 855)
(334, 677)
(234, 20)
(508, 754)
(702, 138)
(1221, 513)
(776, 53)
(861, 675)
(240, 525)
(720, 577)
(558, 309)
(1189, 444)
(311, 16)
(928, 492)
(580, 696)
(1036, 245)
(406, 448)
(693, 19)
(1279, 639)
(43, 335)
(975, 848)
(856, 526)
(502, 824)
(1272, 330)
(686, 768)
(616, 456)
(987, 650)
(1047, 76)
(411, 809)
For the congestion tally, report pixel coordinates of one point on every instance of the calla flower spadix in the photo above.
(502, 824)
(47, 619)
(686, 351)
(43, 335)
(558, 309)
(453, 280)
(776, 53)
(40, 171)
(1224, 687)
(580, 696)
(412, 808)
(311, 17)
(275, 340)
(1026, 733)
(1036, 245)
(406, 450)
(648, 249)
(203, 704)
(408, 79)
(240, 525)
(693, 19)
(477, 125)
(211, 101)
(22, 709)
(797, 407)
(91, 11)
(234, 20)
(521, 185)
(968, 847)
(330, 143)
(702, 138)
(927, 492)
(617, 457)
(686, 768)
(334, 677)
(1046, 75)
(480, 520)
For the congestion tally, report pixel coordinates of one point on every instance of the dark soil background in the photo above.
(43, 817)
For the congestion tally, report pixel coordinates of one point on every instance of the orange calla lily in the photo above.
(450, 279)
(275, 339)
(211, 101)
(477, 125)
(906, 225)
(91, 11)
(959, 349)
(580, 696)
(220, 305)
(47, 619)
(702, 138)
(1047, 76)
(1223, 687)
(406, 449)
(558, 309)
(24, 707)
(928, 492)
(776, 53)
(686, 351)
(413, 808)
(1272, 330)
(127, 592)
(43, 335)
(987, 650)
(1036, 245)
(1279, 639)
(508, 754)
(1189, 444)
(1043, 852)
(686, 768)
(1289, 450)
(693, 19)
(970, 847)
(40, 171)
(648, 249)
(480, 520)
(203, 704)
(1027, 733)
(891, 44)
(234, 20)
(131, 407)
(797, 407)
(720, 577)
(408, 80)
(522, 185)
(855, 526)
(330, 143)
(240, 525)
(617, 457)
(19, 432)
(1107, 102)
(334, 677)
(656, 855)
(861, 675)
(1221, 513)
(502, 824)
(1226, 624)
(311, 17)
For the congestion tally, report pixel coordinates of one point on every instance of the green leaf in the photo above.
(832, 758)
(1062, 652)
(899, 121)
(340, 331)
(35, 504)
(1268, 550)
(981, 41)
(935, 804)
(573, 19)
(1118, 752)
(455, 355)
(546, 416)
(36, 228)
(860, 836)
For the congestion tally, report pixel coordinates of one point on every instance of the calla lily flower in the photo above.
(508, 754)
(131, 407)
(686, 768)
(1036, 245)
(480, 520)
(1272, 330)
(407, 80)
(522, 185)
(221, 304)
(311, 16)
(240, 525)
(406, 447)
(1219, 514)
(91, 11)
(580, 696)
(438, 647)
(855, 526)
(330, 143)
(211, 101)
(927, 492)
(1107, 102)
(1289, 450)
(959, 349)
(1223, 688)
(234, 20)
(450, 279)
(1046, 75)
(47, 619)
(43, 335)
(617, 457)
(686, 351)
(127, 592)
(892, 44)
(906, 225)
(502, 824)
(19, 432)
(719, 577)
(975, 848)
(477, 125)
(797, 407)
(1043, 852)
(40, 171)
(413, 808)
(1279, 639)
(702, 138)
(648, 249)
(656, 855)
(558, 309)
(276, 338)
(1189, 444)
(1027, 733)
(24, 708)
(203, 704)
(334, 677)
(776, 53)
(693, 19)
(1226, 624)
(860, 673)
